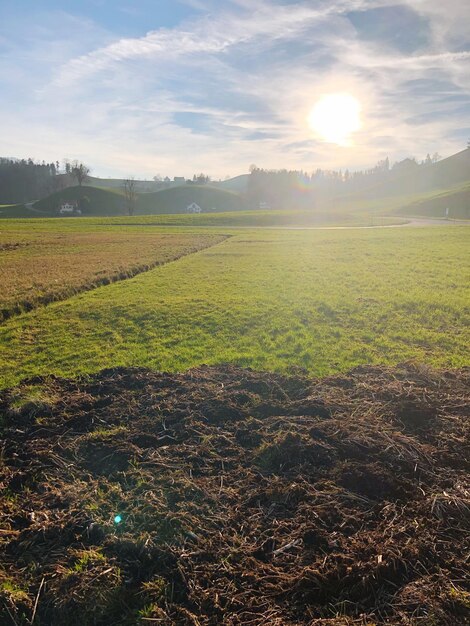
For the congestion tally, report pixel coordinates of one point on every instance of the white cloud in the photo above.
(449, 20)
(246, 75)
(205, 36)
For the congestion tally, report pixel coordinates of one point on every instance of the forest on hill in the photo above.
(22, 180)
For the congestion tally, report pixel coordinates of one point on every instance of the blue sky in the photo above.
(177, 87)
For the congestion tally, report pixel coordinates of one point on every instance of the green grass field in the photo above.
(271, 299)
(39, 267)
(259, 218)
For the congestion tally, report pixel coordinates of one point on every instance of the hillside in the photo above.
(100, 201)
(142, 186)
(18, 211)
(456, 200)
(421, 190)
(450, 172)
(176, 200)
(238, 184)
(107, 202)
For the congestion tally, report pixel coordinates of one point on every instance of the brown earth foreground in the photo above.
(244, 498)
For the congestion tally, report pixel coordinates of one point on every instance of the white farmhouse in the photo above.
(67, 208)
(193, 208)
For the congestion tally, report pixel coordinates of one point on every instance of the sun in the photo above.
(335, 117)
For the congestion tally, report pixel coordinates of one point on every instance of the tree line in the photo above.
(23, 180)
(26, 180)
(300, 189)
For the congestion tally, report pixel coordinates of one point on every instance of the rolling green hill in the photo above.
(451, 172)
(420, 190)
(99, 201)
(104, 202)
(238, 184)
(177, 199)
(404, 204)
(456, 200)
(117, 184)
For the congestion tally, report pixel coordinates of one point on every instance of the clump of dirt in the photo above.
(228, 496)
(6, 247)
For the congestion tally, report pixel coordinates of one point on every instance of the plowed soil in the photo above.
(234, 497)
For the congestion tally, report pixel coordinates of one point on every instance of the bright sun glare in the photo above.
(335, 117)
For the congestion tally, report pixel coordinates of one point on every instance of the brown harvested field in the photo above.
(242, 498)
(38, 268)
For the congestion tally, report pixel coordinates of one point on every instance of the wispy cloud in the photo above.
(234, 85)
(211, 35)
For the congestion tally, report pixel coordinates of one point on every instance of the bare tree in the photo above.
(80, 172)
(130, 194)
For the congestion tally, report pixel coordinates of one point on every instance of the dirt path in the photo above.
(412, 222)
(30, 207)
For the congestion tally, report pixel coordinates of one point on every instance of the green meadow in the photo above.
(322, 300)
(42, 267)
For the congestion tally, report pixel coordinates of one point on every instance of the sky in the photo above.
(177, 87)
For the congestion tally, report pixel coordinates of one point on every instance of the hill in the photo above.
(107, 202)
(142, 186)
(450, 172)
(93, 201)
(238, 184)
(457, 201)
(177, 199)
(409, 189)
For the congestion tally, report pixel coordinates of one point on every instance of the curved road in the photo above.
(414, 221)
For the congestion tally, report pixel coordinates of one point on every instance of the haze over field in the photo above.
(202, 85)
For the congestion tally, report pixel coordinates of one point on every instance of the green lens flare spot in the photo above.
(117, 519)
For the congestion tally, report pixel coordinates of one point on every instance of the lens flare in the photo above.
(117, 519)
(335, 117)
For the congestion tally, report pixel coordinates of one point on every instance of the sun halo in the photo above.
(335, 117)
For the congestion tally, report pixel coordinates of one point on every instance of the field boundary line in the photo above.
(26, 306)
